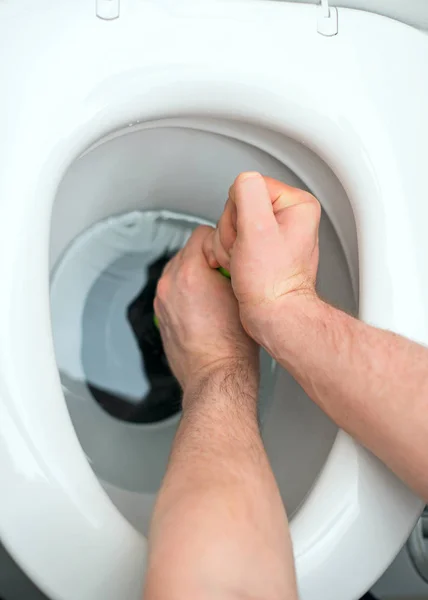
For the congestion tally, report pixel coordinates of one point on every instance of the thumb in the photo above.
(255, 218)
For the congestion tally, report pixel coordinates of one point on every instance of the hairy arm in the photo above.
(372, 383)
(219, 528)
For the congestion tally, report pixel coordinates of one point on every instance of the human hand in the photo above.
(199, 317)
(267, 237)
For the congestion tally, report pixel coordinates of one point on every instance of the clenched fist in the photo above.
(267, 237)
(199, 317)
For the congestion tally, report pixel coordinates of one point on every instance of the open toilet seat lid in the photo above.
(55, 519)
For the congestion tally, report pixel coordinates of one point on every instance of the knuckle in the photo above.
(200, 233)
(162, 287)
(205, 229)
(196, 232)
(311, 207)
(186, 274)
(310, 199)
(316, 210)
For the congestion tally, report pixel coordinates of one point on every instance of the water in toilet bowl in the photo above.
(108, 355)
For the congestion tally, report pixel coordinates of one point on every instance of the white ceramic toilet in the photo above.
(112, 108)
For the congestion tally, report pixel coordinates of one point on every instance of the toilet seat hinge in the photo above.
(107, 9)
(326, 19)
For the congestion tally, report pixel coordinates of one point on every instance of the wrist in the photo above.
(282, 330)
(231, 383)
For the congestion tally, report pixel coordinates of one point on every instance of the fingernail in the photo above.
(249, 175)
(252, 183)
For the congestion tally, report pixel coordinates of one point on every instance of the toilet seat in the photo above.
(349, 107)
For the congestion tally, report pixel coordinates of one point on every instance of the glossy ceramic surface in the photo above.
(90, 294)
(73, 78)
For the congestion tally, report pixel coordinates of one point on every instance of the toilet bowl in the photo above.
(158, 109)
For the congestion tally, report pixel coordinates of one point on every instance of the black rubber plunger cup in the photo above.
(163, 399)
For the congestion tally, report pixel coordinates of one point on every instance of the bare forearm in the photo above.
(372, 383)
(219, 523)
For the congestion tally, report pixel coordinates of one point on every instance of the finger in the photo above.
(285, 196)
(254, 212)
(194, 247)
(208, 250)
(225, 234)
(227, 226)
(221, 256)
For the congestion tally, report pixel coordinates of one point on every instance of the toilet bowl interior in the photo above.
(186, 170)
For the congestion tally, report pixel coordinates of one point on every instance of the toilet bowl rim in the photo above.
(344, 444)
